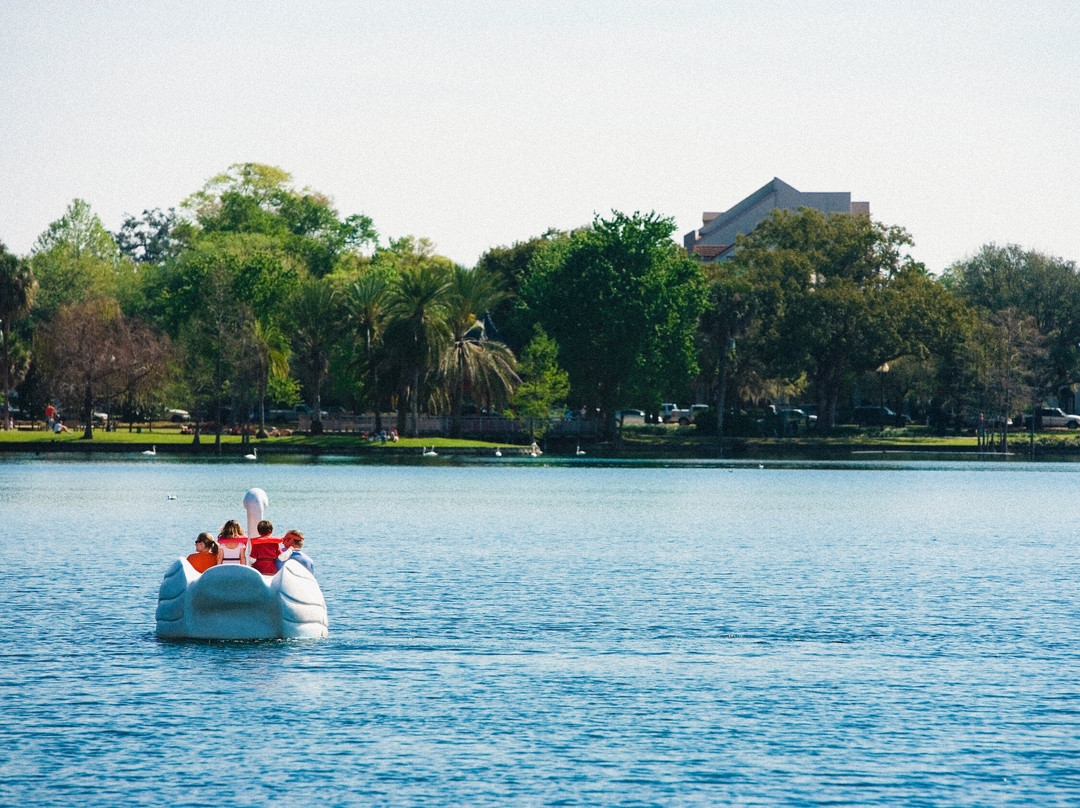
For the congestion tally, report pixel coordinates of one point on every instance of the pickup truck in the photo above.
(1053, 418)
(672, 413)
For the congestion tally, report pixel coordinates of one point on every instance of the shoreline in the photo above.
(681, 447)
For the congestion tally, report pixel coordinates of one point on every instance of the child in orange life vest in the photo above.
(206, 553)
(265, 549)
(232, 544)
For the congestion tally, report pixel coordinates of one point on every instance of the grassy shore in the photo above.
(633, 442)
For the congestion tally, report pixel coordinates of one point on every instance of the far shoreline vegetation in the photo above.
(661, 442)
(259, 299)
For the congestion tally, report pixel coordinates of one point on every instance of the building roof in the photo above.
(719, 230)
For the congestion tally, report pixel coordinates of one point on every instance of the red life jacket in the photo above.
(263, 551)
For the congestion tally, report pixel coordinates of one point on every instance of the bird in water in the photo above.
(151, 452)
(498, 453)
(430, 452)
(253, 456)
(578, 451)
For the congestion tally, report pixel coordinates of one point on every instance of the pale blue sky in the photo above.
(484, 123)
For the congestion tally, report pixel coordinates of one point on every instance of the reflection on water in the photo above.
(557, 633)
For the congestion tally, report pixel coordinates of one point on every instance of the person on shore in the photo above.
(206, 553)
(294, 543)
(265, 549)
(59, 427)
(232, 544)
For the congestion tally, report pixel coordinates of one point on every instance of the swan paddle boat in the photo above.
(234, 602)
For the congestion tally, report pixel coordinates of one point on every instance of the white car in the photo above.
(176, 416)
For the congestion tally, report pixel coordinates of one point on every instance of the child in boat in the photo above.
(206, 553)
(294, 542)
(265, 549)
(232, 544)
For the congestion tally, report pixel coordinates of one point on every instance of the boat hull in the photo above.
(233, 602)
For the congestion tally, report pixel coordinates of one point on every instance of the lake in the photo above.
(554, 633)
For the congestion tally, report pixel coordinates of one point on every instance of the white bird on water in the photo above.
(151, 452)
(498, 453)
(578, 451)
(253, 456)
(430, 452)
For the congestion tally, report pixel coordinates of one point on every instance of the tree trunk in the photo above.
(88, 413)
(7, 378)
(415, 403)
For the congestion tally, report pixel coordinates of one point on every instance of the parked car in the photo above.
(1053, 418)
(879, 416)
(630, 416)
(672, 413)
(177, 416)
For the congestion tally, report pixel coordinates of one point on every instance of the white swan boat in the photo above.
(232, 602)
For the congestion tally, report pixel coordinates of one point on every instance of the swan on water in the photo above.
(430, 452)
(498, 453)
(578, 451)
(253, 456)
(151, 452)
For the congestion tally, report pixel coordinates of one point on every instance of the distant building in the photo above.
(715, 241)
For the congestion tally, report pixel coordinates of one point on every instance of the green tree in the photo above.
(727, 316)
(316, 324)
(150, 238)
(838, 296)
(416, 330)
(75, 259)
(622, 300)
(1035, 285)
(543, 383)
(472, 363)
(17, 287)
(511, 266)
(257, 198)
(365, 301)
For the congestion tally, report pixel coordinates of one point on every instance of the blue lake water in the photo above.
(555, 634)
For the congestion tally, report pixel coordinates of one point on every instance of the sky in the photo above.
(478, 124)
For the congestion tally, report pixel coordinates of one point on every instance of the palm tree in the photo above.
(365, 304)
(271, 351)
(17, 287)
(471, 362)
(416, 330)
(316, 330)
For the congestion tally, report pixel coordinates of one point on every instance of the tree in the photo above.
(472, 363)
(543, 383)
(90, 351)
(365, 306)
(75, 259)
(316, 330)
(622, 301)
(257, 198)
(416, 331)
(1034, 285)
(150, 238)
(510, 265)
(17, 287)
(727, 315)
(837, 296)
